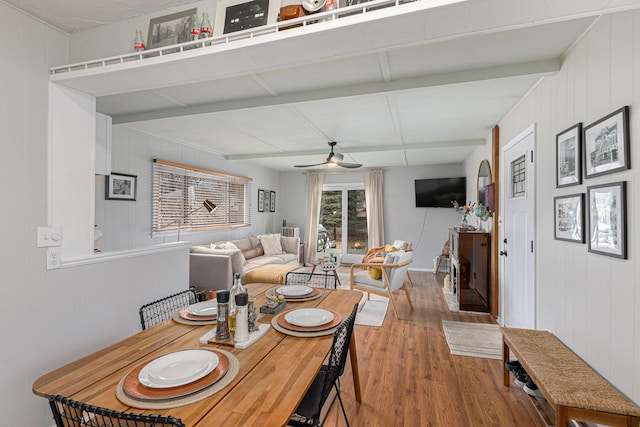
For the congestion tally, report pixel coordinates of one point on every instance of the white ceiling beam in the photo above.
(365, 149)
(539, 68)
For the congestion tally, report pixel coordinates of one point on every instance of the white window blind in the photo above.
(180, 190)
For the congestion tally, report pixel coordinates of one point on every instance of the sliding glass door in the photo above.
(343, 222)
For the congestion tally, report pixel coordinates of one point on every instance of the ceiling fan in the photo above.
(334, 159)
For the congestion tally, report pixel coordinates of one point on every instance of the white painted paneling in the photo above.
(590, 301)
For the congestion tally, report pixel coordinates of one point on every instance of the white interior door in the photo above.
(517, 281)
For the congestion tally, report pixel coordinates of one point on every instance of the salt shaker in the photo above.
(222, 328)
(242, 320)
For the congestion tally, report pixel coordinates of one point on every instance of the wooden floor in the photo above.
(409, 377)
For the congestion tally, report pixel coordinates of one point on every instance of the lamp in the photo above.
(208, 204)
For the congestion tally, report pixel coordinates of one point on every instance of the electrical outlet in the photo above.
(53, 258)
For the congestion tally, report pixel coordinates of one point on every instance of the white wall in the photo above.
(427, 228)
(127, 224)
(52, 317)
(589, 301)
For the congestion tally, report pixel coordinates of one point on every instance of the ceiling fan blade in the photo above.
(309, 166)
(349, 165)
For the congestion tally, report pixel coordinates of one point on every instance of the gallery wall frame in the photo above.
(608, 219)
(569, 156)
(238, 15)
(260, 200)
(272, 202)
(606, 144)
(120, 186)
(569, 218)
(170, 29)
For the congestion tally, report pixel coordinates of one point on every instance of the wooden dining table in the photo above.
(274, 372)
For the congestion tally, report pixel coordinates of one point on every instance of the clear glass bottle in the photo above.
(195, 28)
(236, 289)
(222, 326)
(138, 43)
(242, 320)
(205, 26)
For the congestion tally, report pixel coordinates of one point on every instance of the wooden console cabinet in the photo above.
(470, 256)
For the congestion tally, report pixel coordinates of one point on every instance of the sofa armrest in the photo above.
(291, 245)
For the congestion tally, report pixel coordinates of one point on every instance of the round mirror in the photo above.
(484, 178)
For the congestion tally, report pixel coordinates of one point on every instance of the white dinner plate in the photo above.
(308, 317)
(179, 368)
(294, 290)
(204, 308)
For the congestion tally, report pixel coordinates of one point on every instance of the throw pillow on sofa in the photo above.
(254, 252)
(227, 245)
(271, 244)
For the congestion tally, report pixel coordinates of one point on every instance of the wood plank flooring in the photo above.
(409, 378)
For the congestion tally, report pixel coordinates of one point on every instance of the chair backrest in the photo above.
(397, 275)
(314, 280)
(339, 351)
(71, 413)
(158, 311)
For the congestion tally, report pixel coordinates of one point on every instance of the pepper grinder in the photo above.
(252, 315)
(222, 328)
(242, 325)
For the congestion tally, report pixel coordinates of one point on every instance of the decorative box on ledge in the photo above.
(272, 310)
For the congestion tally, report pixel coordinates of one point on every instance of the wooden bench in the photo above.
(574, 391)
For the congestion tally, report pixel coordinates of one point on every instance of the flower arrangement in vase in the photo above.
(463, 210)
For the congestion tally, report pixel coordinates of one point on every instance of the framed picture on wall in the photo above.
(606, 144)
(170, 29)
(608, 219)
(569, 218)
(569, 157)
(238, 15)
(121, 186)
(272, 202)
(260, 200)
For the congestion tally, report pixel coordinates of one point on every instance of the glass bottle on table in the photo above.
(236, 289)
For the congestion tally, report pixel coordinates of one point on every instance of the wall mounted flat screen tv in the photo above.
(440, 192)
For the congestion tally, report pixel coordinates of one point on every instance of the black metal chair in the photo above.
(328, 378)
(314, 280)
(158, 311)
(71, 413)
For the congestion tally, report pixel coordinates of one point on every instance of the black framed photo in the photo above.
(608, 219)
(569, 218)
(272, 202)
(170, 29)
(569, 156)
(238, 15)
(121, 186)
(606, 144)
(260, 200)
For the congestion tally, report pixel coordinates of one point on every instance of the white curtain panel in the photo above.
(373, 196)
(314, 198)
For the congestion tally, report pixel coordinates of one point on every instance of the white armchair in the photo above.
(394, 272)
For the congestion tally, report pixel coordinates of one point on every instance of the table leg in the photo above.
(354, 368)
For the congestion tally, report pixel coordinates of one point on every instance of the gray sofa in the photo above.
(212, 266)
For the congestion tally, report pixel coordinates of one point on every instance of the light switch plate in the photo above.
(49, 236)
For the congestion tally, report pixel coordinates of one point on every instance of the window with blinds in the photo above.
(179, 192)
